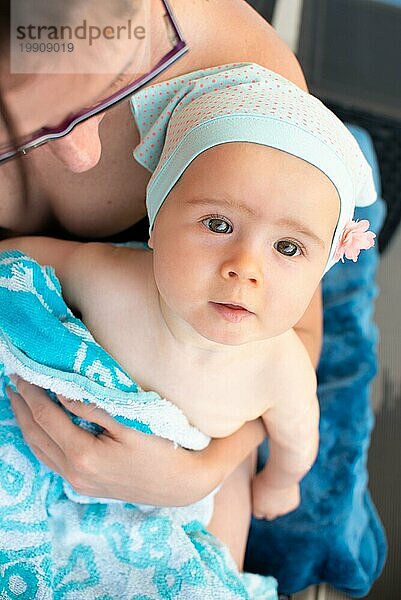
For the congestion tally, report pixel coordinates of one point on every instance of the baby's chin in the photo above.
(233, 337)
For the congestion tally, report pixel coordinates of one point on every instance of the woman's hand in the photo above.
(121, 462)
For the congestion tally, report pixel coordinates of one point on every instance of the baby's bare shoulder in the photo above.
(106, 260)
(109, 272)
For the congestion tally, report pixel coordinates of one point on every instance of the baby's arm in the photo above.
(60, 254)
(293, 428)
(82, 268)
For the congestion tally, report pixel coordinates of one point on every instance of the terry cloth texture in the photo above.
(181, 118)
(336, 536)
(57, 544)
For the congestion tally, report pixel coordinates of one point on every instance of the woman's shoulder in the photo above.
(229, 31)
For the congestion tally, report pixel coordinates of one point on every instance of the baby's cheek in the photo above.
(172, 281)
(292, 308)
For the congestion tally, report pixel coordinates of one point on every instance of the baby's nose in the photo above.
(245, 267)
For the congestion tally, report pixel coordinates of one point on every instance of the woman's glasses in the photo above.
(174, 48)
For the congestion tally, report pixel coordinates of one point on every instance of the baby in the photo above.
(250, 202)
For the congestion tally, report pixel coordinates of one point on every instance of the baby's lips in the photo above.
(235, 306)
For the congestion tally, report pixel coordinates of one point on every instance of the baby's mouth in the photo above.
(234, 306)
(233, 313)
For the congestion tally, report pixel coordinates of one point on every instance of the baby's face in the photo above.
(242, 240)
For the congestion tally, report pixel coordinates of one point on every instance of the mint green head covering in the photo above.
(181, 118)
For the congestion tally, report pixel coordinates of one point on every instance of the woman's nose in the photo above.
(243, 266)
(80, 150)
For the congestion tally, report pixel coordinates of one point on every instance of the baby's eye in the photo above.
(288, 248)
(217, 225)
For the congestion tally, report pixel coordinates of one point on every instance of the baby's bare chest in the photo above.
(217, 400)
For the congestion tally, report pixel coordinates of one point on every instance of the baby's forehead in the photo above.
(250, 165)
(258, 181)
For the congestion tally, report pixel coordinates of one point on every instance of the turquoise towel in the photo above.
(56, 544)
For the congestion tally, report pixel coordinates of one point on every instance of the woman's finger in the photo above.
(39, 442)
(46, 460)
(92, 413)
(53, 420)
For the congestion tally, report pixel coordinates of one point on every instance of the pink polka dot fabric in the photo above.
(180, 118)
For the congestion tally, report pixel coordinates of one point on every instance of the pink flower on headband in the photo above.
(354, 238)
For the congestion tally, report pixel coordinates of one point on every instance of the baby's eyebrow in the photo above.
(299, 226)
(225, 202)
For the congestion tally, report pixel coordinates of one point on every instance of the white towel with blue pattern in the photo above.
(55, 544)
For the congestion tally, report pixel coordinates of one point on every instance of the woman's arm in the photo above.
(120, 462)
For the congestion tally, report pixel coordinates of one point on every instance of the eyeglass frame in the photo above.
(45, 134)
